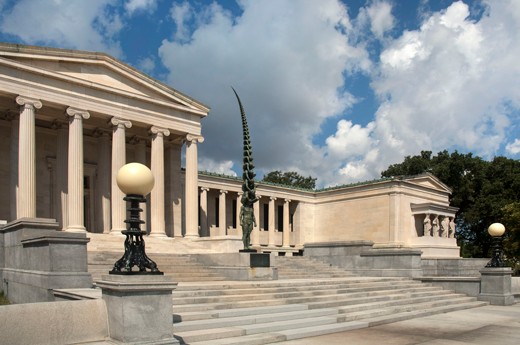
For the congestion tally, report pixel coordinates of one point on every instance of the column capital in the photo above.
(272, 198)
(120, 123)
(77, 113)
(222, 191)
(192, 138)
(27, 101)
(204, 189)
(287, 201)
(164, 132)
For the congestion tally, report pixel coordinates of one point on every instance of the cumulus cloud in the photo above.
(221, 167)
(381, 18)
(286, 59)
(449, 84)
(87, 25)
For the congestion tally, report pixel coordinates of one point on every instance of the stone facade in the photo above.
(70, 119)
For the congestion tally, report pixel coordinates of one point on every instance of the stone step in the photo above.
(337, 288)
(253, 319)
(300, 296)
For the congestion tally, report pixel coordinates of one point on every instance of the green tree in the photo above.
(290, 178)
(482, 190)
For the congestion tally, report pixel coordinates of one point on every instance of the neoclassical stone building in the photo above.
(70, 119)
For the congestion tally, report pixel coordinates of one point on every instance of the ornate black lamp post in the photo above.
(496, 230)
(136, 181)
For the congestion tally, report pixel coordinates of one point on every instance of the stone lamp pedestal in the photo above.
(495, 286)
(139, 308)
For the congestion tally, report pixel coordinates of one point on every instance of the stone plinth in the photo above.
(38, 259)
(139, 308)
(495, 286)
(241, 266)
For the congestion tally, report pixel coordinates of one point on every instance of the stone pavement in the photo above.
(477, 326)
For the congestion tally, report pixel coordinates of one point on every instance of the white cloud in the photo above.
(86, 25)
(133, 6)
(181, 14)
(286, 60)
(448, 85)
(350, 140)
(221, 167)
(146, 65)
(514, 147)
(381, 18)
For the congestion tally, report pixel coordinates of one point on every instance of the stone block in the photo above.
(495, 286)
(139, 308)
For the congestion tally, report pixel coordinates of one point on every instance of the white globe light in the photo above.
(496, 229)
(135, 178)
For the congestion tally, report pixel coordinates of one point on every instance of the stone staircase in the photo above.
(182, 268)
(250, 313)
(302, 267)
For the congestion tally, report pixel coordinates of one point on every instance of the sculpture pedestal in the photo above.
(495, 286)
(139, 308)
(241, 266)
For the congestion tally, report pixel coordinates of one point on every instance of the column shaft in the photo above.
(222, 212)
(272, 233)
(204, 231)
(191, 185)
(286, 237)
(176, 189)
(61, 175)
(104, 184)
(26, 201)
(255, 233)
(75, 170)
(15, 132)
(158, 228)
(118, 160)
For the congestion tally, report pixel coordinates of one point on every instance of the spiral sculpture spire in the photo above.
(247, 219)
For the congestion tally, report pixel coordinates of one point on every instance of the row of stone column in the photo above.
(72, 202)
(438, 226)
(255, 235)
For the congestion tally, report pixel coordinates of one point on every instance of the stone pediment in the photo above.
(430, 181)
(98, 71)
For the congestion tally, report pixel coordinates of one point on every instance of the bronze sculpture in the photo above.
(247, 216)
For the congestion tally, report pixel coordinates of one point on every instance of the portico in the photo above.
(71, 119)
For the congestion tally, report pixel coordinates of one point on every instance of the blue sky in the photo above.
(336, 90)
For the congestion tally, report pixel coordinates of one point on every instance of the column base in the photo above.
(76, 228)
(116, 232)
(157, 235)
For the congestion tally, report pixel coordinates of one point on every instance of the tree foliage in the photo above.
(485, 192)
(290, 178)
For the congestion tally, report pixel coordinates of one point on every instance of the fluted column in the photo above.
(272, 234)
(75, 170)
(140, 157)
(118, 160)
(26, 201)
(255, 233)
(286, 237)
(61, 173)
(222, 212)
(204, 231)
(15, 132)
(176, 191)
(104, 183)
(158, 228)
(191, 185)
